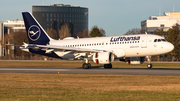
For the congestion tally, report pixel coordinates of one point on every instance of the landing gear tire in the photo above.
(86, 66)
(149, 66)
(89, 66)
(108, 66)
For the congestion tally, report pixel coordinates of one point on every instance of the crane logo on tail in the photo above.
(34, 32)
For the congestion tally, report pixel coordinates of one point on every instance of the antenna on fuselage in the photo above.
(146, 33)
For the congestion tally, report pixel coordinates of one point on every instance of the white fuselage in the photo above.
(121, 46)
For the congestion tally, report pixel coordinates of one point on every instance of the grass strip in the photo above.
(88, 87)
(69, 64)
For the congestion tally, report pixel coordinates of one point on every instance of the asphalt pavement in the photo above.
(120, 71)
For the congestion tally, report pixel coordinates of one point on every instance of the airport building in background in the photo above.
(164, 22)
(8, 27)
(1, 38)
(11, 26)
(54, 16)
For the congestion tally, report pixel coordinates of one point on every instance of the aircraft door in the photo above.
(144, 42)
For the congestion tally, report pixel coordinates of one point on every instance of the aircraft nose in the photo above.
(170, 47)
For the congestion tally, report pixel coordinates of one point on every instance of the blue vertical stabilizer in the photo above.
(35, 33)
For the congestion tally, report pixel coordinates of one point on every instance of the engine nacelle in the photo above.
(103, 57)
(136, 60)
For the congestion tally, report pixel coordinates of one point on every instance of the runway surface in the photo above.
(92, 71)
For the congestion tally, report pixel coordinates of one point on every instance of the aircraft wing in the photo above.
(61, 48)
(49, 48)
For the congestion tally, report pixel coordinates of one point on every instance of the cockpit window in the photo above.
(159, 40)
(163, 40)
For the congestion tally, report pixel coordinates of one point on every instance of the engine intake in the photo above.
(103, 57)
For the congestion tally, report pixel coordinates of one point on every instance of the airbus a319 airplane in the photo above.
(101, 50)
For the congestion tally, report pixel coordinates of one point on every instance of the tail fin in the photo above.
(35, 33)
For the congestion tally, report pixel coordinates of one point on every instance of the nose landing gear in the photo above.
(149, 62)
(149, 66)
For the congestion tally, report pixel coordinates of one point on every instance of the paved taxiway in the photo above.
(92, 71)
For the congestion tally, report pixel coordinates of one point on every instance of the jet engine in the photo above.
(103, 57)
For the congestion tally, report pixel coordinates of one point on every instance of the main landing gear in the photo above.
(149, 63)
(88, 65)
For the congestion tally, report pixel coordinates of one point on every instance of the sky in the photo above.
(116, 17)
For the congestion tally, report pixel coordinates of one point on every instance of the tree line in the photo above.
(172, 36)
(17, 38)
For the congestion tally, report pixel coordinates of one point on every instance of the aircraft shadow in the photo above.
(101, 67)
(95, 67)
(150, 69)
